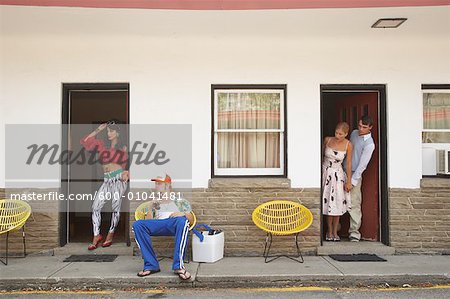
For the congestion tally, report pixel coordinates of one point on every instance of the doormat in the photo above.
(99, 258)
(361, 257)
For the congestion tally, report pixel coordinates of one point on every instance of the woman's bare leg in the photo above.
(330, 226)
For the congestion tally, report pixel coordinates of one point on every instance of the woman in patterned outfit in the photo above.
(335, 185)
(114, 159)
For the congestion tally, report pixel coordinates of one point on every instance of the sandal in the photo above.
(107, 244)
(109, 240)
(147, 272)
(328, 238)
(94, 246)
(183, 274)
(336, 239)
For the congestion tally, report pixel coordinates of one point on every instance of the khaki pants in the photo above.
(355, 212)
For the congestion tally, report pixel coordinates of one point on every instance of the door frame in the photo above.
(65, 108)
(382, 140)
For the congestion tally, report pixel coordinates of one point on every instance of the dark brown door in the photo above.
(88, 105)
(350, 107)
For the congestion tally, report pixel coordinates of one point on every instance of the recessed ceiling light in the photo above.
(389, 23)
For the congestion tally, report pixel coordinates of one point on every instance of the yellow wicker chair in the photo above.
(143, 208)
(13, 215)
(282, 218)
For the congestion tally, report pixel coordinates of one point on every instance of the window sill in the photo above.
(442, 182)
(249, 183)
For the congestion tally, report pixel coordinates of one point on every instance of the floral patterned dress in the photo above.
(336, 201)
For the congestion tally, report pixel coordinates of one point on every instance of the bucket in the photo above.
(210, 250)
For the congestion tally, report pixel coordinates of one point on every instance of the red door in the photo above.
(350, 108)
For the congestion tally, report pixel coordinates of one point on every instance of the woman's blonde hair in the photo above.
(344, 126)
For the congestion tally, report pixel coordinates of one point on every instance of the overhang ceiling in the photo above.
(226, 4)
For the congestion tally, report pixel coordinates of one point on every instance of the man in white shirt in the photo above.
(363, 147)
(166, 217)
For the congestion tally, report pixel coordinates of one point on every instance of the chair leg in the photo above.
(5, 262)
(265, 245)
(298, 258)
(266, 253)
(186, 258)
(24, 244)
(299, 252)
(7, 243)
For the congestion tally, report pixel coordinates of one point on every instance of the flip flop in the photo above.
(149, 272)
(183, 274)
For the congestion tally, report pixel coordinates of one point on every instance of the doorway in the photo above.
(348, 103)
(85, 107)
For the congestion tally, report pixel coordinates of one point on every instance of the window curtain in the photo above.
(248, 149)
(436, 115)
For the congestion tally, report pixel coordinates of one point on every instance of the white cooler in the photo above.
(210, 250)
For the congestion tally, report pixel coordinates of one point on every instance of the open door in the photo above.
(89, 105)
(344, 104)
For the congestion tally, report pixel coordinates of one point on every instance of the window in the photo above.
(436, 128)
(249, 130)
(436, 117)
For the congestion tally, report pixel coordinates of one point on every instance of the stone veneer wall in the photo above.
(230, 209)
(41, 229)
(420, 218)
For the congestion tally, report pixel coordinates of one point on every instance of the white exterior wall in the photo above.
(173, 57)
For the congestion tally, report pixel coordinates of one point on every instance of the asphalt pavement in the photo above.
(52, 273)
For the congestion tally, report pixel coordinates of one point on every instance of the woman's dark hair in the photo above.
(115, 125)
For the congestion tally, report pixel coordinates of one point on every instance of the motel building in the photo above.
(247, 91)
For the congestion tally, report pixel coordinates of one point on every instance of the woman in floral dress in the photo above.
(335, 185)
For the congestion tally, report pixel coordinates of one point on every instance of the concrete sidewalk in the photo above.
(47, 272)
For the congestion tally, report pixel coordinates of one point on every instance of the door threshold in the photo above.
(81, 248)
(347, 247)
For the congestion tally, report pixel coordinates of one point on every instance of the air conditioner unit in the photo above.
(443, 161)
